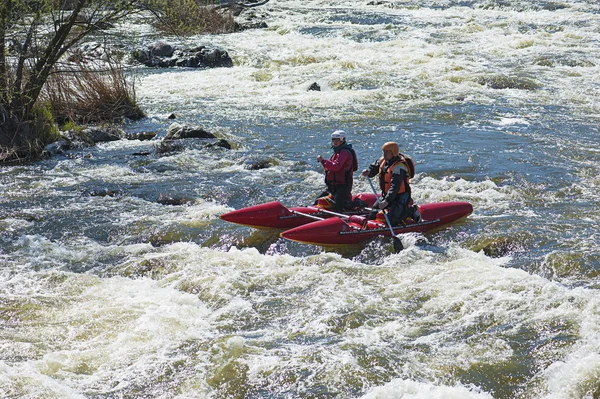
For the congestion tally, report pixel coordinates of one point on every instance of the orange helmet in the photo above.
(391, 146)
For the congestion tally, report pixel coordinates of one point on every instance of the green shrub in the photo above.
(46, 130)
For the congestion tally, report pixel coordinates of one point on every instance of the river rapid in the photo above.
(120, 296)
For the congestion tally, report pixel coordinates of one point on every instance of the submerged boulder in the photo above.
(314, 87)
(257, 164)
(104, 134)
(500, 82)
(497, 247)
(177, 131)
(165, 199)
(220, 143)
(104, 192)
(169, 146)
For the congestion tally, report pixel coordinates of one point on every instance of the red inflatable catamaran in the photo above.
(318, 226)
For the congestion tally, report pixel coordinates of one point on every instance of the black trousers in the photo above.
(342, 195)
(399, 210)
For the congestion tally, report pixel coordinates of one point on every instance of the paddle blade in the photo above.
(397, 244)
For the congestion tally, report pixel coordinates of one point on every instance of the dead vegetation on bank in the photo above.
(192, 17)
(82, 95)
(38, 89)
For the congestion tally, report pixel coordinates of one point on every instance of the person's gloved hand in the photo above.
(319, 158)
(383, 204)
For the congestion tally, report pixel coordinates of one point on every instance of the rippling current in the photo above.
(120, 296)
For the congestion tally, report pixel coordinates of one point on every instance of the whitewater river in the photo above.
(498, 102)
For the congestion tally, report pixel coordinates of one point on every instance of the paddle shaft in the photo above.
(306, 215)
(395, 239)
(384, 212)
(341, 215)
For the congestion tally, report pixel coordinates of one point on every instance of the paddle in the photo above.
(396, 240)
(340, 215)
(306, 215)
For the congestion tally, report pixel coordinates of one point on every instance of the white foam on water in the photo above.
(512, 121)
(100, 331)
(13, 224)
(413, 67)
(486, 192)
(280, 314)
(406, 389)
(511, 296)
(28, 383)
(206, 211)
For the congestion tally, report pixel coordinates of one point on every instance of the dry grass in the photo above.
(88, 95)
(190, 17)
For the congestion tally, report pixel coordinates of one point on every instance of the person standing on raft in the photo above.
(338, 174)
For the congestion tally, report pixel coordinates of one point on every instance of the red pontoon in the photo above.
(353, 230)
(273, 215)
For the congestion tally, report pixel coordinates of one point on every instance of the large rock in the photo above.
(88, 137)
(142, 136)
(161, 49)
(177, 131)
(70, 140)
(163, 55)
(99, 135)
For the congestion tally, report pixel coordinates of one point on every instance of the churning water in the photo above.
(119, 296)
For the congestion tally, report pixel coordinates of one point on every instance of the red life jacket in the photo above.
(343, 176)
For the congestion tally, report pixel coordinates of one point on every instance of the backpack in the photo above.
(354, 159)
(411, 165)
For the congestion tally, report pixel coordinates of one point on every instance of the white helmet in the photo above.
(338, 134)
